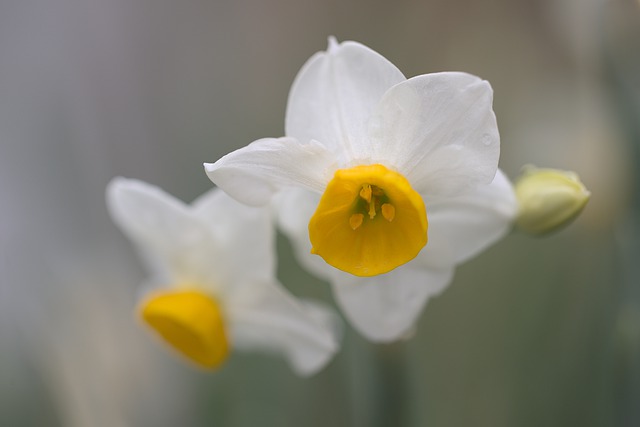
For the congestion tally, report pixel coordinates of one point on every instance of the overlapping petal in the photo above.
(335, 93)
(473, 221)
(385, 307)
(163, 229)
(440, 131)
(244, 234)
(269, 319)
(254, 173)
(294, 207)
(143, 209)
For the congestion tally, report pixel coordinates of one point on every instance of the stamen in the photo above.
(388, 211)
(365, 193)
(355, 221)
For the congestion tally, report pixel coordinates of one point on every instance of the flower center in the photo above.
(369, 221)
(190, 322)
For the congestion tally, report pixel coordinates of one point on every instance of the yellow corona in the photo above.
(369, 221)
(190, 321)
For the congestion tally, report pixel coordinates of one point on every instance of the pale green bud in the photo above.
(548, 199)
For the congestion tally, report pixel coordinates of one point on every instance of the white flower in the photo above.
(213, 285)
(372, 165)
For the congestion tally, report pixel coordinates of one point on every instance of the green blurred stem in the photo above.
(390, 395)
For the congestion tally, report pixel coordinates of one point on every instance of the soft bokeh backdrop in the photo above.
(533, 332)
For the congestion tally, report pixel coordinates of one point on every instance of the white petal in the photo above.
(440, 131)
(254, 173)
(334, 94)
(294, 208)
(472, 222)
(161, 226)
(384, 308)
(244, 233)
(269, 319)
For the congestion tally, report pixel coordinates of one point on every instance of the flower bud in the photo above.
(548, 199)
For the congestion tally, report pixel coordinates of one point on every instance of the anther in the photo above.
(388, 211)
(365, 193)
(355, 221)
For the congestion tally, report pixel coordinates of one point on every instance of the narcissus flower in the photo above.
(380, 176)
(212, 286)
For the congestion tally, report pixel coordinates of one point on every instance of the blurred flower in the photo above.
(376, 145)
(213, 283)
(548, 199)
(383, 152)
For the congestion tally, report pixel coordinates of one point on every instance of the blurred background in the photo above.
(534, 332)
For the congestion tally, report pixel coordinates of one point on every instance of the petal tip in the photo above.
(332, 43)
(118, 186)
(116, 183)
